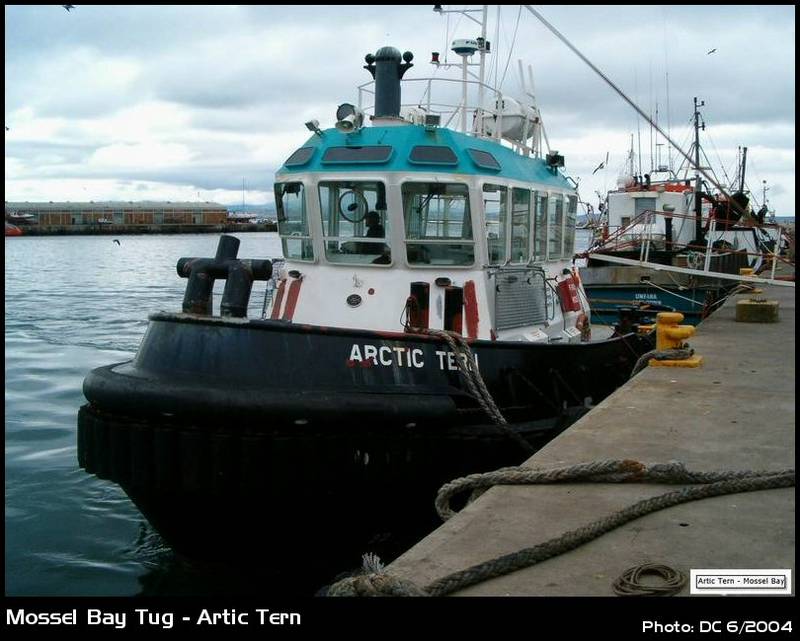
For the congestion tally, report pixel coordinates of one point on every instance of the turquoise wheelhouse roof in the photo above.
(402, 139)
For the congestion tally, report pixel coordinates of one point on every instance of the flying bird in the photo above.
(601, 165)
(710, 52)
(68, 6)
(116, 241)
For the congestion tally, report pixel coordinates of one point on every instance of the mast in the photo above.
(630, 158)
(481, 70)
(698, 201)
(637, 109)
(483, 47)
(744, 167)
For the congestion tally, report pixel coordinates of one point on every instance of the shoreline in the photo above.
(110, 230)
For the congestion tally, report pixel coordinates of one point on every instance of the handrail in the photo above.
(481, 111)
(638, 233)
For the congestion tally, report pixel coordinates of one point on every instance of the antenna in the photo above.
(483, 48)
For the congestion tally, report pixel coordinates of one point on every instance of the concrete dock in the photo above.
(736, 412)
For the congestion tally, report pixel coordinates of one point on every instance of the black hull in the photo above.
(234, 435)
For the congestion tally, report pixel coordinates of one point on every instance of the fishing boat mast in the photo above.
(698, 201)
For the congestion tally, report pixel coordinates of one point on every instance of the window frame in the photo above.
(556, 198)
(439, 241)
(503, 223)
(385, 219)
(307, 235)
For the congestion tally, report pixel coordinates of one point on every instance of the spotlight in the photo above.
(349, 118)
(313, 125)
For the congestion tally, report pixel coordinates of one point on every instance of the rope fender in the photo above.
(715, 483)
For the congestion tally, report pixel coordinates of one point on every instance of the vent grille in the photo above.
(520, 299)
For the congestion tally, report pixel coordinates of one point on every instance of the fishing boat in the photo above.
(17, 218)
(424, 322)
(671, 243)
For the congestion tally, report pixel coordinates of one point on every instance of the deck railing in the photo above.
(639, 234)
(448, 111)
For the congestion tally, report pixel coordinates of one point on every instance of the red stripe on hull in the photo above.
(291, 299)
(471, 309)
(276, 305)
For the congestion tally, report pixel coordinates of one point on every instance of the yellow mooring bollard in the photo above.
(671, 335)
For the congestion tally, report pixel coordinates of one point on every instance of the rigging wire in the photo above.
(511, 49)
(666, 79)
(719, 158)
(622, 94)
(497, 43)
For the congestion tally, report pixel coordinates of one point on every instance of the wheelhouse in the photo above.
(395, 205)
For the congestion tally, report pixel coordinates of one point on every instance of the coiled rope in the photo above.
(468, 367)
(711, 484)
(630, 583)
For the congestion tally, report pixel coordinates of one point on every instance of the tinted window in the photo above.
(373, 153)
(483, 159)
(300, 157)
(436, 155)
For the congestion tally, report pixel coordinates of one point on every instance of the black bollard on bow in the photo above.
(239, 276)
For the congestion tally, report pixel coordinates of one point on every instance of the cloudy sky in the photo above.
(186, 103)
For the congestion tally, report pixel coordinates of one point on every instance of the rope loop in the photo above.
(678, 354)
(708, 484)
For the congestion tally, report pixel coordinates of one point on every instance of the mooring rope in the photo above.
(711, 484)
(465, 361)
(678, 354)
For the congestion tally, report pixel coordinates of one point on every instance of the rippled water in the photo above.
(73, 304)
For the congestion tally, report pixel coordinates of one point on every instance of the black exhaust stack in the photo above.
(387, 70)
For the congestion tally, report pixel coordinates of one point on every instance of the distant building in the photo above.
(117, 213)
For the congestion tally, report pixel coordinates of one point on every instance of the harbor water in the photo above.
(74, 303)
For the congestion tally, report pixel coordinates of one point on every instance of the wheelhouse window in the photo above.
(569, 226)
(540, 227)
(520, 225)
(495, 205)
(555, 224)
(300, 157)
(369, 154)
(438, 225)
(432, 155)
(354, 222)
(290, 204)
(647, 207)
(484, 159)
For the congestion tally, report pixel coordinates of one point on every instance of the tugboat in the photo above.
(424, 323)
